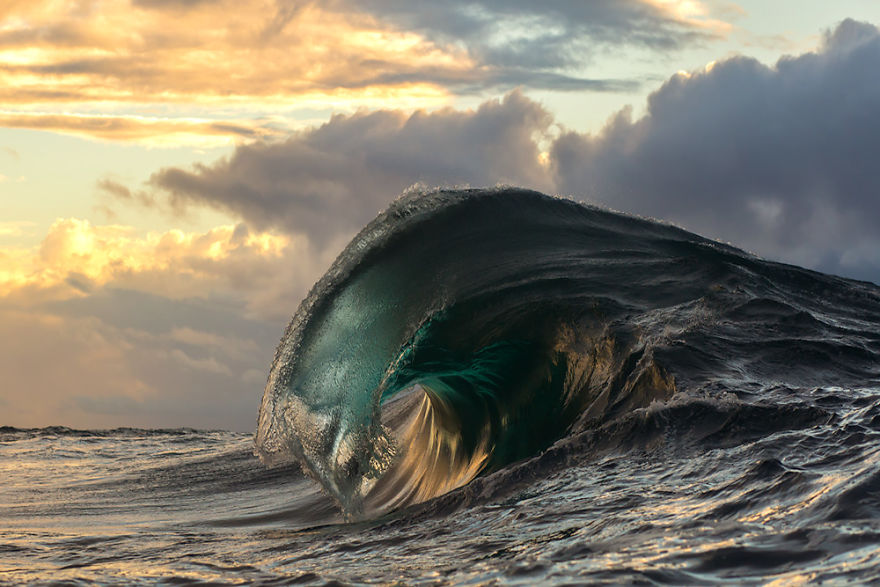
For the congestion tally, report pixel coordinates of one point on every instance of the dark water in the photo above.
(501, 387)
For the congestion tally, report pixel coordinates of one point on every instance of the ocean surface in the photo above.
(500, 387)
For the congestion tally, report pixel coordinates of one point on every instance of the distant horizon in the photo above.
(5, 427)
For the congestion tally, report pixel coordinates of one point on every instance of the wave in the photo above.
(463, 331)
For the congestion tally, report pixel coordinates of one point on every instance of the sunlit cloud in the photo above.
(60, 60)
(103, 69)
(698, 14)
(16, 229)
(77, 258)
(115, 327)
(142, 129)
(120, 51)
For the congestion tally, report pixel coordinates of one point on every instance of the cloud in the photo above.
(551, 34)
(87, 372)
(544, 46)
(62, 61)
(171, 4)
(780, 160)
(41, 358)
(265, 272)
(16, 228)
(209, 364)
(106, 327)
(145, 129)
(329, 181)
(67, 60)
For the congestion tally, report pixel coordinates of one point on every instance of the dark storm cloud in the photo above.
(331, 180)
(781, 160)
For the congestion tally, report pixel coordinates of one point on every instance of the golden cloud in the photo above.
(60, 56)
(76, 257)
(143, 129)
(696, 13)
(62, 61)
(15, 229)
(112, 327)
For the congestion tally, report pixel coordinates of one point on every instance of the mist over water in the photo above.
(499, 386)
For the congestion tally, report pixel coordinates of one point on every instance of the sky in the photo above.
(176, 174)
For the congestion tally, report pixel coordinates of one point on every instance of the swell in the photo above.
(462, 331)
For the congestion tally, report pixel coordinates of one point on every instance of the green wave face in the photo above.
(465, 330)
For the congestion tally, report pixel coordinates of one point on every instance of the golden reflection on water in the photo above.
(434, 460)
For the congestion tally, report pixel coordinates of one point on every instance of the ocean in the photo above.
(500, 387)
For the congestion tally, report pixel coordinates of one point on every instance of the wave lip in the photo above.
(465, 330)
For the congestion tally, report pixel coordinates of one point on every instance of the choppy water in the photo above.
(500, 387)
(185, 506)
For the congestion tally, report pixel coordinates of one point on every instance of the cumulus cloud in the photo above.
(331, 180)
(166, 329)
(266, 272)
(780, 160)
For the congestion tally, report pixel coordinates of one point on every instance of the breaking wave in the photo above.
(463, 331)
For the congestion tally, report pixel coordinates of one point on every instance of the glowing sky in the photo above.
(175, 174)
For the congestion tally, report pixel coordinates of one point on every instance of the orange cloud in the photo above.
(110, 327)
(63, 61)
(267, 272)
(65, 55)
